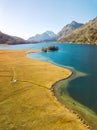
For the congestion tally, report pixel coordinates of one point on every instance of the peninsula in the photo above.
(26, 99)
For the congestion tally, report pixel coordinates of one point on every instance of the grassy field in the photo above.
(26, 99)
(84, 113)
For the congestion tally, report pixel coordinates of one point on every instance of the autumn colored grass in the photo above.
(26, 99)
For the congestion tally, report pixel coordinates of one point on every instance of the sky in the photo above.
(25, 18)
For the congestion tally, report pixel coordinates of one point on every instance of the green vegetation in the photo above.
(50, 48)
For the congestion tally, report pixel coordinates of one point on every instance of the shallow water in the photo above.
(80, 57)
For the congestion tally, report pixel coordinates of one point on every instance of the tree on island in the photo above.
(50, 48)
(44, 49)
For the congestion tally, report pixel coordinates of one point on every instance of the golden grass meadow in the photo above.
(26, 99)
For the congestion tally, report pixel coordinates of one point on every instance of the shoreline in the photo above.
(28, 102)
(67, 107)
(73, 74)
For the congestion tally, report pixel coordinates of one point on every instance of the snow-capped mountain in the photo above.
(46, 36)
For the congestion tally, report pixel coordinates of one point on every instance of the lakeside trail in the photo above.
(26, 99)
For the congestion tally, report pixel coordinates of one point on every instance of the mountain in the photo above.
(17, 37)
(46, 36)
(68, 28)
(85, 34)
(9, 40)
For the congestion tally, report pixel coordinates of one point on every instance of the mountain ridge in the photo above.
(46, 36)
(11, 40)
(73, 33)
(85, 34)
(68, 28)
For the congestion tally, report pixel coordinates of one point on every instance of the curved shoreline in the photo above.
(71, 110)
(53, 91)
(28, 102)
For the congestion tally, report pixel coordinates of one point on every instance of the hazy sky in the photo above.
(25, 18)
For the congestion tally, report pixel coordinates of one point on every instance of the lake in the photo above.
(82, 59)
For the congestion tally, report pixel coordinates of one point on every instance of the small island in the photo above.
(50, 48)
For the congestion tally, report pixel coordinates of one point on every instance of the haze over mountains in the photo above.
(73, 32)
(9, 40)
(46, 36)
(51, 36)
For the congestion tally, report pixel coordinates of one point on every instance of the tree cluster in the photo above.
(50, 48)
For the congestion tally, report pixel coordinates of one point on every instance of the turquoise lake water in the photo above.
(79, 57)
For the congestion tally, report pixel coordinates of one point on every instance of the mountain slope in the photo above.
(68, 28)
(85, 34)
(9, 40)
(46, 36)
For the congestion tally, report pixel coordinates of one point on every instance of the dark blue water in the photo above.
(82, 58)
(78, 56)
